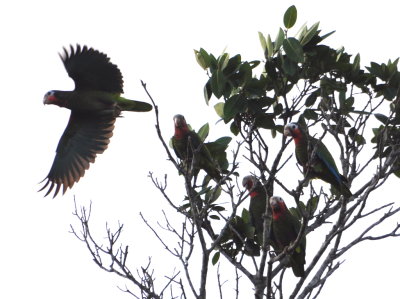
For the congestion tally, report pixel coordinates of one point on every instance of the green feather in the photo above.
(184, 148)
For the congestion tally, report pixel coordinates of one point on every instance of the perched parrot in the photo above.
(323, 165)
(285, 228)
(258, 202)
(184, 140)
(94, 103)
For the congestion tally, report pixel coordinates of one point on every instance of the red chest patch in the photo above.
(253, 194)
(181, 132)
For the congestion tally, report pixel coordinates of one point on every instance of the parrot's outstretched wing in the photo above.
(85, 136)
(92, 70)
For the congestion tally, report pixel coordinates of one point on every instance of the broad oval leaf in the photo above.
(265, 121)
(289, 67)
(203, 59)
(382, 118)
(293, 49)
(312, 98)
(312, 205)
(234, 128)
(218, 81)
(215, 258)
(219, 108)
(203, 132)
(310, 114)
(290, 17)
(233, 106)
(245, 215)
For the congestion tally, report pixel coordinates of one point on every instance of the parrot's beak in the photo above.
(45, 99)
(49, 98)
(274, 204)
(286, 131)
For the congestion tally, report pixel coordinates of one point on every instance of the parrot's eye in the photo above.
(49, 93)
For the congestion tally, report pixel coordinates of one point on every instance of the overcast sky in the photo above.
(150, 40)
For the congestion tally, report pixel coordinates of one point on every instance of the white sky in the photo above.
(152, 41)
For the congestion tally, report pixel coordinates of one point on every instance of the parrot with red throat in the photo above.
(258, 203)
(323, 165)
(95, 103)
(185, 141)
(284, 230)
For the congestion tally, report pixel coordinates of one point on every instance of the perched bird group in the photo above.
(95, 103)
(284, 227)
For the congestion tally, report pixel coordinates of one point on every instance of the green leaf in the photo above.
(263, 42)
(203, 131)
(203, 59)
(223, 61)
(312, 98)
(289, 67)
(215, 258)
(207, 91)
(375, 69)
(233, 65)
(223, 141)
(234, 128)
(309, 34)
(356, 63)
(327, 35)
(312, 205)
(293, 49)
(219, 108)
(382, 118)
(289, 19)
(218, 81)
(310, 114)
(215, 217)
(265, 121)
(245, 216)
(234, 105)
(279, 40)
(302, 31)
(295, 213)
(270, 47)
(217, 208)
(245, 72)
(278, 108)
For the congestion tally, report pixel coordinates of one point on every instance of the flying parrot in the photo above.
(285, 228)
(258, 202)
(323, 165)
(185, 141)
(94, 103)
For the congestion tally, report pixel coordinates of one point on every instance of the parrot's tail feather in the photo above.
(137, 106)
(346, 191)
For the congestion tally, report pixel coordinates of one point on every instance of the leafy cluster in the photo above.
(328, 77)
